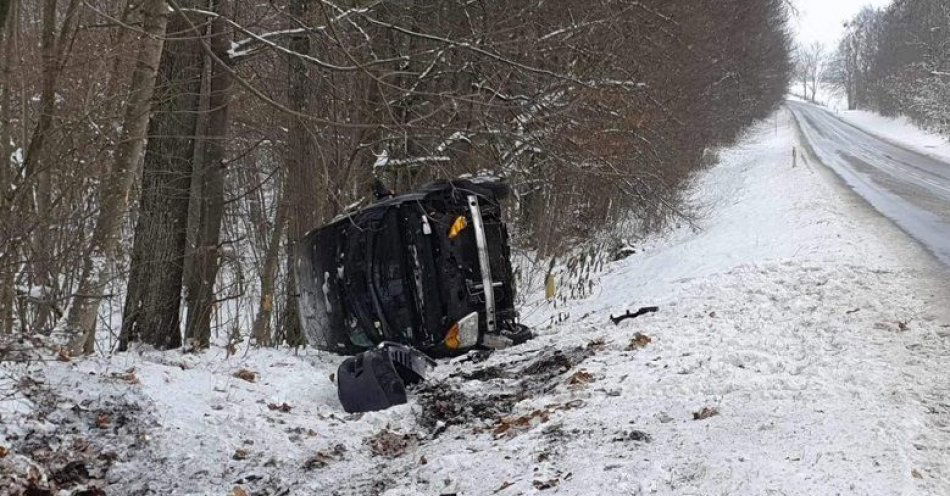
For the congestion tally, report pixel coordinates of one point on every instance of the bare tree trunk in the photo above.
(4, 11)
(153, 297)
(205, 258)
(48, 88)
(197, 183)
(300, 170)
(261, 328)
(6, 65)
(9, 249)
(40, 260)
(115, 188)
(116, 75)
(291, 333)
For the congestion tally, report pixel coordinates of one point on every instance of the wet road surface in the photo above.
(910, 188)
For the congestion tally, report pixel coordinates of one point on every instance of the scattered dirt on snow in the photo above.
(447, 403)
(389, 444)
(67, 444)
(443, 405)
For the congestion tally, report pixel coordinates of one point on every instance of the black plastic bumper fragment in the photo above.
(376, 379)
(628, 315)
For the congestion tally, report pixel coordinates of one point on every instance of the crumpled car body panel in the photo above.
(395, 270)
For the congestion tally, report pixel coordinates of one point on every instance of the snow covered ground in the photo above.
(827, 96)
(801, 347)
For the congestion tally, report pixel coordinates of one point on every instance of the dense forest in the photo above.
(896, 60)
(161, 159)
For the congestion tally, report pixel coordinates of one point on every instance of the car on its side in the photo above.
(429, 269)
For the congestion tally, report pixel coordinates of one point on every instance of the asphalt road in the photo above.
(910, 188)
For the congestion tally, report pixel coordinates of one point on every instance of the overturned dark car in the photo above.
(429, 269)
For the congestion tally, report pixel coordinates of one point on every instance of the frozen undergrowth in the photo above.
(797, 350)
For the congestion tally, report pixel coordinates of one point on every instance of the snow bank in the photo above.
(798, 350)
(827, 96)
(898, 130)
(901, 131)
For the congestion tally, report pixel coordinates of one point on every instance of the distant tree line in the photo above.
(896, 60)
(160, 158)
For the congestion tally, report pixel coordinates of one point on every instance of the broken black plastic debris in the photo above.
(376, 379)
(628, 315)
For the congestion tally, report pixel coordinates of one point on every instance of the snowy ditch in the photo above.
(799, 349)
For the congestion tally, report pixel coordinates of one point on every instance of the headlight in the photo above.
(457, 227)
(464, 334)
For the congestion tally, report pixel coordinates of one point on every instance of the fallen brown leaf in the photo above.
(127, 376)
(4, 451)
(705, 413)
(323, 458)
(80, 444)
(581, 377)
(639, 341)
(319, 460)
(238, 491)
(246, 375)
(63, 355)
(283, 407)
(512, 425)
(240, 454)
(390, 444)
(103, 421)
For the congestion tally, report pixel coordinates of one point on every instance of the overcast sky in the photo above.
(821, 20)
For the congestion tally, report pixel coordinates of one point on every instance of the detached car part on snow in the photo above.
(377, 379)
(429, 269)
